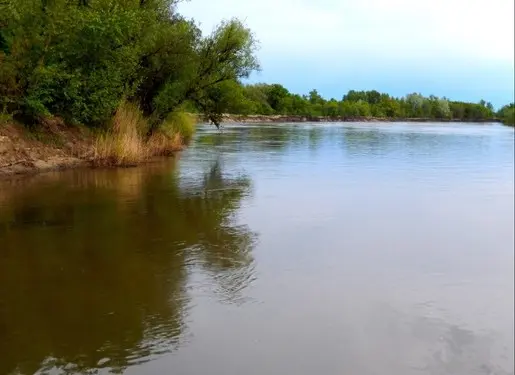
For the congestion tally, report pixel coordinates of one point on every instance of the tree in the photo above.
(373, 97)
(257, 95)
(442, 109)
(80, 59)
(315, 98)
(276, 94)
(354, 96)
(415, 104)
(507, 114)
(331, 109)
(363, 108)
(390, 108)
(460, 110)
(227, 54)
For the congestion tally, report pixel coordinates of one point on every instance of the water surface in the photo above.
(269, 249)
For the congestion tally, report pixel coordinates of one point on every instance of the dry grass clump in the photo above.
(127, 143)
(161, 144)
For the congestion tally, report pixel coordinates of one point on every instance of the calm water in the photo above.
(287, 249)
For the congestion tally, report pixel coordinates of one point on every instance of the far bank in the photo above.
(230, 118)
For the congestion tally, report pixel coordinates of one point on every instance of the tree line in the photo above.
(274, 99)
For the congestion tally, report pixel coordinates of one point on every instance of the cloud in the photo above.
(314, 37)
(475, 28)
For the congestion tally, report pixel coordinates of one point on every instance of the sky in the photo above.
(461, 49)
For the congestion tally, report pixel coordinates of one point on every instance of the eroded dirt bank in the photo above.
(52, 147)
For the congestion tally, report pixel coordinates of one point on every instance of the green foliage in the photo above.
(81, 59)
(226, 55)
(276, 95)
(268, 99)
(181, 123)
(315, 98)
(507, 114)
(470, 111)
(257, 97)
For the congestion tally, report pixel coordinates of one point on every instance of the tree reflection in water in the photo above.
(94, 265)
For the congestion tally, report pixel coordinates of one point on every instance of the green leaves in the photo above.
(200, 71)
(79, 59)
(507, 114)
(269, 99)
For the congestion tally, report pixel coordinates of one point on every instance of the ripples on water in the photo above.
(273, 249)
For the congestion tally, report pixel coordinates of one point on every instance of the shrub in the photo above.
(179, 123)
(507, 114)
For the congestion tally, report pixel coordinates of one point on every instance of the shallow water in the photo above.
(272, 249)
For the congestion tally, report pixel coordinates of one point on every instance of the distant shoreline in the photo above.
(228, 118)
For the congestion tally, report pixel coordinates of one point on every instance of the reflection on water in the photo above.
(278, 249)
(95, 264)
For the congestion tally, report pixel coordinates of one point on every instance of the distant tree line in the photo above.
(269, 99)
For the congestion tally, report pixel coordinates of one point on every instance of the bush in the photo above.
(507, 114)
(179, 123)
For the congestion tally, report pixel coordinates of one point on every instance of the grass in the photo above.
(127, 143)
(162, 144)
(181, 123)
(123, 143)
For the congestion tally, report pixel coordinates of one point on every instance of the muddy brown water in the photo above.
(269, 249)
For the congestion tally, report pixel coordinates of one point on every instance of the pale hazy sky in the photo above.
(462, 49)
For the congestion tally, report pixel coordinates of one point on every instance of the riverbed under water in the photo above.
(269, 249)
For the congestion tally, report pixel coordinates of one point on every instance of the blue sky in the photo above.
(462, 49)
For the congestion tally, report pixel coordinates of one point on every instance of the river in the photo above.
(269, 249)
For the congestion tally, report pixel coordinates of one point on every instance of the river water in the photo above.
(269, 249)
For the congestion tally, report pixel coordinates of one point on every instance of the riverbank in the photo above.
(51, 147)
(56, 146)
(228, 118)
